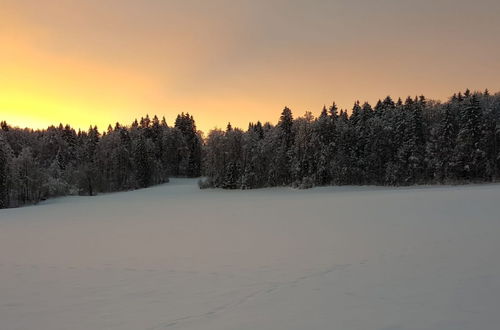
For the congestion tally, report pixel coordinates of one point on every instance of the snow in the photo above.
(176, 257)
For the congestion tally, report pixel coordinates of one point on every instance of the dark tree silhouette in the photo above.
(407, 142)
(395, 143)
(35, 165)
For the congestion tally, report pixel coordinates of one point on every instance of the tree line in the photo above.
(416, 141)
(57, 161)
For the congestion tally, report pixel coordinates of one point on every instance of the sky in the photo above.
(97, 62)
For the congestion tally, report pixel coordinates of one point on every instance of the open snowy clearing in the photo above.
(176, 257)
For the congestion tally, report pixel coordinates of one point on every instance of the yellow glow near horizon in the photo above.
(92, 63)
(38, 89)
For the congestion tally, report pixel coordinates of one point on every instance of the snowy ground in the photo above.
(176, 257)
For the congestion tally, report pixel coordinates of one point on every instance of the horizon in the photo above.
(171, 122)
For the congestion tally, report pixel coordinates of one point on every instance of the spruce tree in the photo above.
(4, 173)
(281, 172)
(186, 124)
(231, 179)
(468, 154)
(143, 166)
(446, 137)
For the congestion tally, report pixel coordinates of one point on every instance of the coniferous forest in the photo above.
(35, 165)
(393, 143)
(415, 141)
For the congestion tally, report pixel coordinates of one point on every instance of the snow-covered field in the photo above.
(176, 257)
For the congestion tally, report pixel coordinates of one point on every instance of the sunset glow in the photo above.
(94, 62)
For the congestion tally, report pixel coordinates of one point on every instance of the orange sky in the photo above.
(100, 61)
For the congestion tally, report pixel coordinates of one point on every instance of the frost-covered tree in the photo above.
(186, 124)
(469, 155)
(4, 175)
(58, 160)
(143, 162)
(280, 172)
(394, 143)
